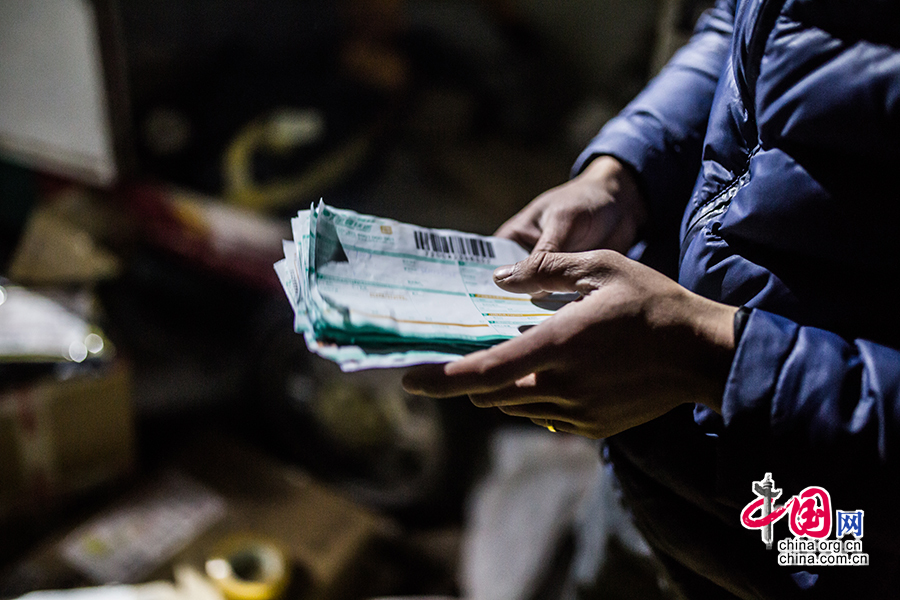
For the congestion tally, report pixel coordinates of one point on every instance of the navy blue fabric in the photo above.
(773, 139)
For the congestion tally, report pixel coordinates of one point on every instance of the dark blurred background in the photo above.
(151, 156)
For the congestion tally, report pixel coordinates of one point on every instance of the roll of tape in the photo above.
(249, 569)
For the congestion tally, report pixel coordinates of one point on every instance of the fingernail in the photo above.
(503, 272)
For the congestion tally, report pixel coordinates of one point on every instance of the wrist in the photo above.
(717, 332)
(618, 180)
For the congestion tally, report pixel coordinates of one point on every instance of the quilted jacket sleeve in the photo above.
(814, 408)
(660, 133)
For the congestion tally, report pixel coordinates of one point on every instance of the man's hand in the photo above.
(634, 346)
(600, 208)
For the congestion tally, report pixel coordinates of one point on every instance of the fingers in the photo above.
(544, 413)
(531, 397)
(553, 236)
(555, 425)
(484, 371)
(556, 272)
(521, 230)
(538, 235)
(539, 227)
(531, 389)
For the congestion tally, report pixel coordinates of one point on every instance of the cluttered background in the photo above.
(156, 408)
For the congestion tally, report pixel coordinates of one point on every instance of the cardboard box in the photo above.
(329, 539)
(216, 489)
(60, 438)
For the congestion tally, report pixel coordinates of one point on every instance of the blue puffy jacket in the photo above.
(784, 116)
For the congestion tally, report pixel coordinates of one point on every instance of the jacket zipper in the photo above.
(714, 207)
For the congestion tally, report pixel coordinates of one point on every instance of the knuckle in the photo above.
(605, 257)
(542, 262)
(601, 265)
(563, 213)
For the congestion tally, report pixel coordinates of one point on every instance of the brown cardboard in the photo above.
(61, 438)
(329, 540)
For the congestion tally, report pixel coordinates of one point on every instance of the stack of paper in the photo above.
(370, 292)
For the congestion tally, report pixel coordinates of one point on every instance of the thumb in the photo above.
(545, 272)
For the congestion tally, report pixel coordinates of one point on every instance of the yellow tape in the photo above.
(249, 569)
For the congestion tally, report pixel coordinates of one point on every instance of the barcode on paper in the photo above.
(454, 245)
